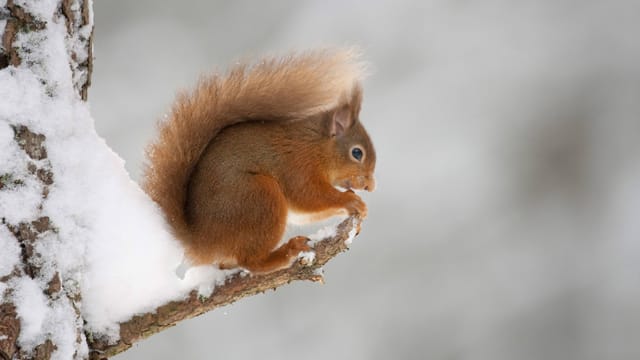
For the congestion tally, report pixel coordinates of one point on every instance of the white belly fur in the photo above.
(297, 218)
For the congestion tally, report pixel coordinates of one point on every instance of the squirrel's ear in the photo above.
(341, 120)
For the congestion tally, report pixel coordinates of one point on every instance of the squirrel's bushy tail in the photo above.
(291, 87)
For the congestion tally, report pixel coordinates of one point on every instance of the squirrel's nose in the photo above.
(370, 183)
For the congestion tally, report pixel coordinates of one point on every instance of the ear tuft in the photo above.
(341, 120)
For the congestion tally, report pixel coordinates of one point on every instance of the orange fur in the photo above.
(242, 149)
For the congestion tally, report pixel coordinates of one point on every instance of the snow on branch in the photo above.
(234, 288)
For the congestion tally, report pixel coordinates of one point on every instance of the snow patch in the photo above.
(40, 9)
(61, 326)
(307, 257)
(325, 232)
(10, 251)
(207, 277)
(352, 235)
(32, 308)
(21, 194)
(18, 203)
(7, 144)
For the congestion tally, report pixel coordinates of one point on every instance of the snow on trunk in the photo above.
(45, 60)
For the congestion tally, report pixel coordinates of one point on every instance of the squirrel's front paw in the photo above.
(297, 245)
(355, 206)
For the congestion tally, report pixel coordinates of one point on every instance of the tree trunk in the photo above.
(25, 26)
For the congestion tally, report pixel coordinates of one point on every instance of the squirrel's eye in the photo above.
(356, 152)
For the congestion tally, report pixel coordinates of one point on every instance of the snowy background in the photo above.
(506, 224)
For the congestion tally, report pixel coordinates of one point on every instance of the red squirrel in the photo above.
(243, 149)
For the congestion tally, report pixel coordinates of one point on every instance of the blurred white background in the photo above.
(506, 224)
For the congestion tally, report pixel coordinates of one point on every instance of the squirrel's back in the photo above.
(292, 87)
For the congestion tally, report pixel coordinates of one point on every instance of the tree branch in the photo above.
(235, 288)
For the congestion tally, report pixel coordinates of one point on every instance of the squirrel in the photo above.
(244, 149)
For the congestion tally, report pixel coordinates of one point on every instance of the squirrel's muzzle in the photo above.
(367, 183)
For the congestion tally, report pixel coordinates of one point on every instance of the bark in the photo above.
(235, 288)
